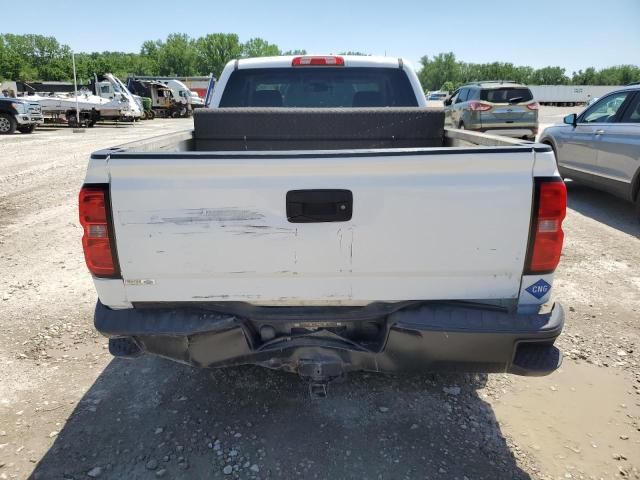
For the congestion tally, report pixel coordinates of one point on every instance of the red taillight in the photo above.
(546, 241)
(96, 241)
(479, 107)
(533, 106)
(331, 61)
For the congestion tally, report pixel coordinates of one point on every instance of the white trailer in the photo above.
(568, 95)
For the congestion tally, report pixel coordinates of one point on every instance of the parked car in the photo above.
(19, 114)
(499, 107)
(437, 96)
(601, 146)
(326, 236)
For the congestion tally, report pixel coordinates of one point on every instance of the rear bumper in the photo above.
(515, 132)
(431, 337)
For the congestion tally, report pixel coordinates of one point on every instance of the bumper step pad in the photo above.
(124, 347)
(536, 359)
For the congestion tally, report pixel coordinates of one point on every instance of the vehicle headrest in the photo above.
(367, 99)
(266, 98)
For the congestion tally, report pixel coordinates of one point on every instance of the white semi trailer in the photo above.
(568, 95)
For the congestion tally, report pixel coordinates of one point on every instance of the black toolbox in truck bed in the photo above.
(317, 128)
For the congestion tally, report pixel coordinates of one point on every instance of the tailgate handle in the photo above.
(314, 206)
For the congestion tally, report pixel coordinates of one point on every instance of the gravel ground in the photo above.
(69, 410)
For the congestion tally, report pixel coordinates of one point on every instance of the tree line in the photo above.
(37, 57)
(445, 72)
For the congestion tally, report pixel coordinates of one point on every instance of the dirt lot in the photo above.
(68, 410)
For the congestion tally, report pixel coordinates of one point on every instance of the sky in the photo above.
(574, 34)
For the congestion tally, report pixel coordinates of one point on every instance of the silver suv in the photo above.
(499, 107)
(600, 147)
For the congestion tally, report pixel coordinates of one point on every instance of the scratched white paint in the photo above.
(423, 227)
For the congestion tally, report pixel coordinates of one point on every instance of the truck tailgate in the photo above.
(426, 224)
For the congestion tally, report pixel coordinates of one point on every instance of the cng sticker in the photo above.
(539, 289)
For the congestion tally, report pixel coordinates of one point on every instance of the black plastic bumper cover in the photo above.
(432, 337)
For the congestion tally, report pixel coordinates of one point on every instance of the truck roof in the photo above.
(349, 61)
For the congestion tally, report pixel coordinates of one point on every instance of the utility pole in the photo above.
(75, 87)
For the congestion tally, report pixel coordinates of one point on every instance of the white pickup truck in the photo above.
(320, 219)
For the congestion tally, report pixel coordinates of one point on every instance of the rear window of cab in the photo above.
(318, 87)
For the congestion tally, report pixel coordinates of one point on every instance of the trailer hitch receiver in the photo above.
(318, 373)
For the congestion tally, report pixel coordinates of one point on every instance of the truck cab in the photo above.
(19, 114)
(105, 90)
(164, 102)
(182, 96)
(196, 100)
